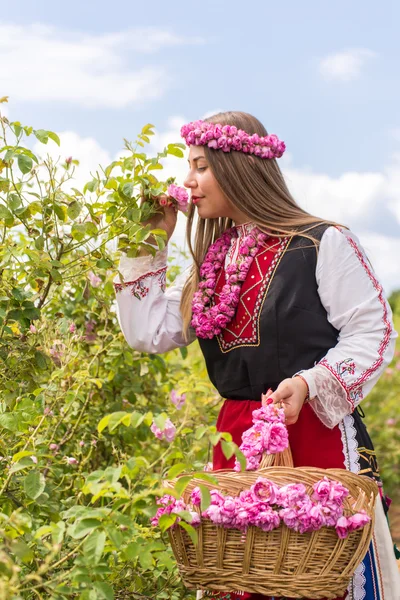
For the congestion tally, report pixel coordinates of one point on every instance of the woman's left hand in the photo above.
(291, 393)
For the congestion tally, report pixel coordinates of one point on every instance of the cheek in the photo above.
(211, 188)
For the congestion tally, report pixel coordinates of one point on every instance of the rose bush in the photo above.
(80, 467)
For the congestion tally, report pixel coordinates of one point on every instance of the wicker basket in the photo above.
(281, 562)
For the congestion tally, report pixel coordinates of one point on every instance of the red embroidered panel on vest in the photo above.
(244, 327)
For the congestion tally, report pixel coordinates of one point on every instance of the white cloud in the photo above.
(346, 65)
(368, 203)
(85, 69)
(87, 150)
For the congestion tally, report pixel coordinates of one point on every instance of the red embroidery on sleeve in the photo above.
(354, 390)
(139, 289)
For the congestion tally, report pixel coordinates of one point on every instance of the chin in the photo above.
(207, 214)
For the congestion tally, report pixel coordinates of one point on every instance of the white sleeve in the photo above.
(148, 313)
(357, 308)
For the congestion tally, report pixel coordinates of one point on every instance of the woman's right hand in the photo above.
(165, 218)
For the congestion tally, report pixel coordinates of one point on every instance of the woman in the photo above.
(284, 303)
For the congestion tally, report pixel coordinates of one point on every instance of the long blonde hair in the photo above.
(253, 185)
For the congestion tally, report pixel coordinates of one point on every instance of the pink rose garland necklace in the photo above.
(210, 318)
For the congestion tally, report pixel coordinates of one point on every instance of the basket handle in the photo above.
(280, 459)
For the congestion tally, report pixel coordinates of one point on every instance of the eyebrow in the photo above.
(197, 158)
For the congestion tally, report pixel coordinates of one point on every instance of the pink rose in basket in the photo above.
(265, 491)
(267, 519)
(359, 520)
(329, 492)
(195, 497)
(343, 527)
(292, 494)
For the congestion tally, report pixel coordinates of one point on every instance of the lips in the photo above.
(196, 199)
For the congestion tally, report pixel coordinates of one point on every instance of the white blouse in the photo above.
(150, 318)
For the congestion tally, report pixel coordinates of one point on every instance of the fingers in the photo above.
(283, 391)
(265, 397)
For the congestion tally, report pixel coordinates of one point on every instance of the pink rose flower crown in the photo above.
(229, 137)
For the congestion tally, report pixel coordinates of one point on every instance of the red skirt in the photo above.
(312, 445)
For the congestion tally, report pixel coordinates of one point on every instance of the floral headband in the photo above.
(229, 137)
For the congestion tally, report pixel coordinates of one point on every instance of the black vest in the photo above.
(286, 326)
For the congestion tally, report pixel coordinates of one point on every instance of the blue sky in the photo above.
(323, 76)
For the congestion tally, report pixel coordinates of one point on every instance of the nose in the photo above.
(190, 181)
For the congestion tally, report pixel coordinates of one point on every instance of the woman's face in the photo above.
(206, 194)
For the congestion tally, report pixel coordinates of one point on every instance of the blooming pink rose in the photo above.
(95, 281)
(292, 494)
(168, 432)
(327, 490)
(195, 497)
(177, 400)
(343, 527)
(195, 519)
(278, 439)
(265, 490)
(358, 520)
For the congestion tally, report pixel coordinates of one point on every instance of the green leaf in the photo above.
(9, 421)
(228, 449)
(104, 590)
(148, 129)
(21, 454)
(78, 231)
(127, 189)
(60, 211)
(83, 527)
(94, 546)
(4, 184)
(4, 212)
(91, 229)
(182, 484)
(177, 470)
(25, 163)
(91, 185)
(41, 360)
(175, 150)
(22, 550)
(103, 423)
(205, 496)
(191, 531)
(104, 263)
(200, 431)
(42, 135)
(39, 243)
(142, 235)
(14, 201)
(34, 484)
(161, 232)
(53, 136)
(184, 352)
(166, 521)
(241, 458)
(74, 209)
